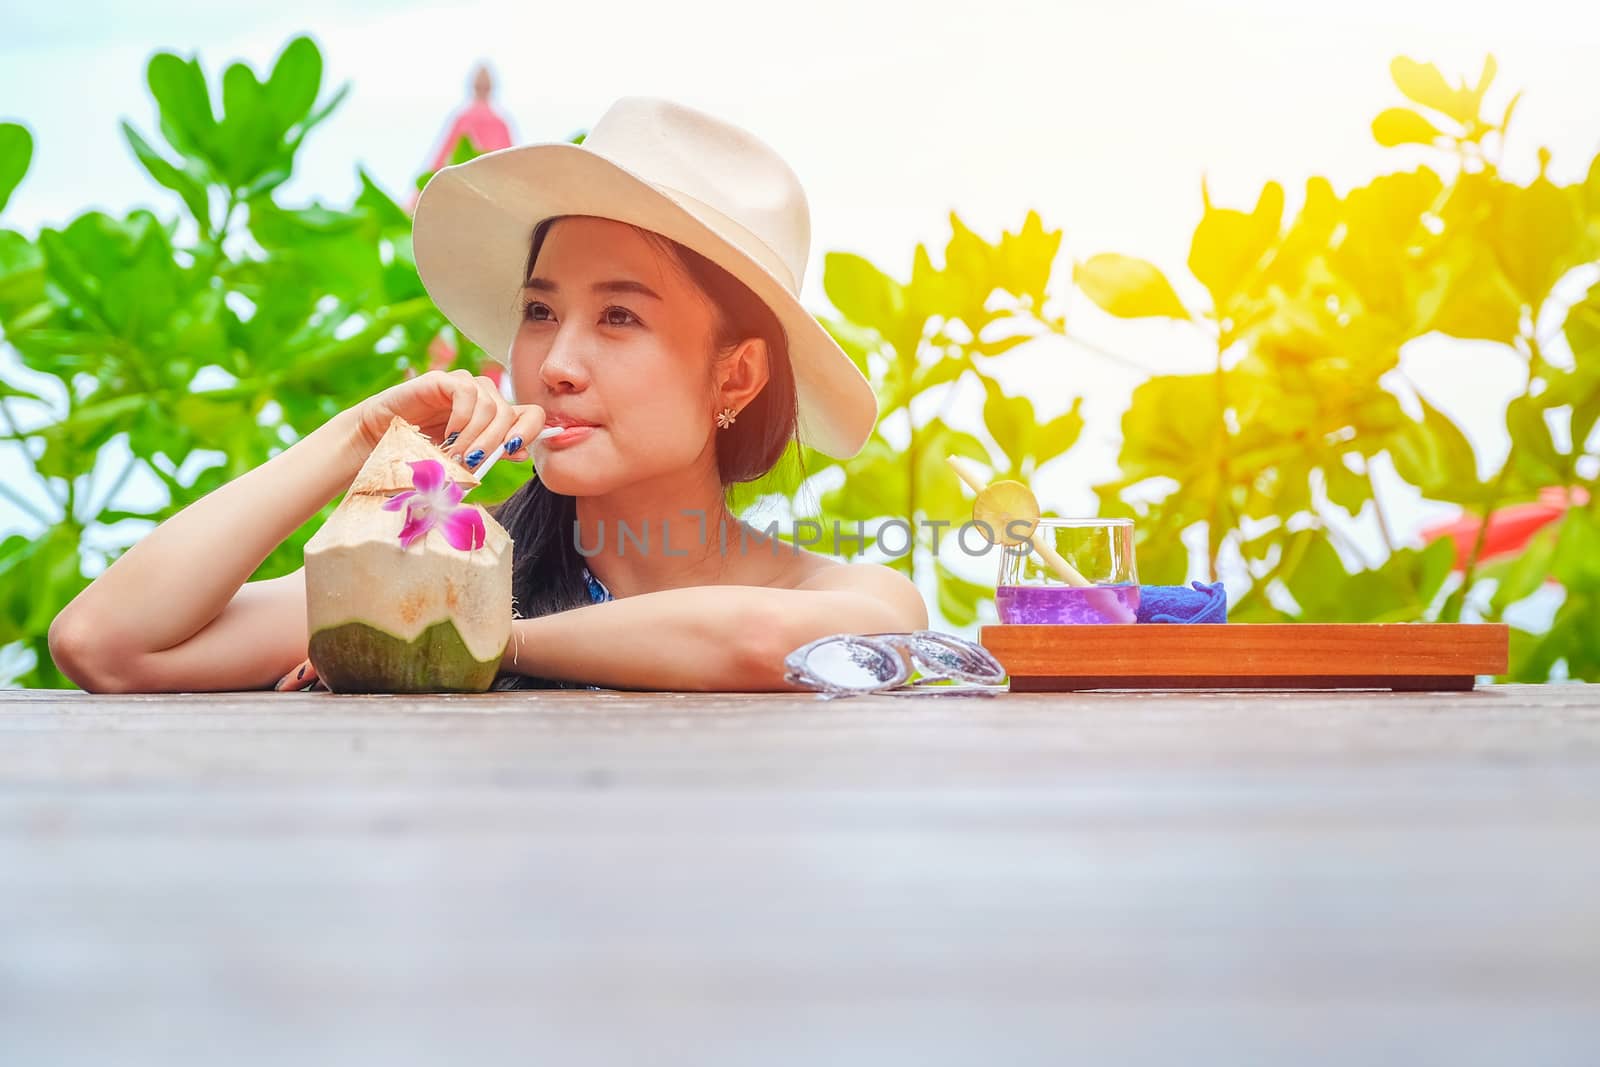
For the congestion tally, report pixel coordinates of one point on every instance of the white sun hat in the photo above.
(703, 182)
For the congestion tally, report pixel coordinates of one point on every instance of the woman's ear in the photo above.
(743, 373)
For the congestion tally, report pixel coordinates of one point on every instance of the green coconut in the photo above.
(431, 618)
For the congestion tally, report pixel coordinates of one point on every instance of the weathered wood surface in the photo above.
(588, 877)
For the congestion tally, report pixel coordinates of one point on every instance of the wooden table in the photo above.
(587, 877)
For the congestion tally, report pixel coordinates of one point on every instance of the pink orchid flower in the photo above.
(436, 502)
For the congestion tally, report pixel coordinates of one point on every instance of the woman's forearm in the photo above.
(701, 638)
(193, 563)
(718, 638)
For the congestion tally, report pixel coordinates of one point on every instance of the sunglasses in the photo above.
(848, 664)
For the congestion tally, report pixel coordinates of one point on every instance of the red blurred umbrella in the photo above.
(1510, 527)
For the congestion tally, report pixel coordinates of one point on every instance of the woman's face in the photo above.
(616, 335)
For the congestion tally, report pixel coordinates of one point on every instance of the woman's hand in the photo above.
(303, 676)
(465, 414)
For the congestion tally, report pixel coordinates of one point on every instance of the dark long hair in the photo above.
(546, 567)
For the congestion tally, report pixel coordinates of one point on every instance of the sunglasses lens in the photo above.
(959, 657)
(852, 665)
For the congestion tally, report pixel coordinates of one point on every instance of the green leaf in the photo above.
(859, 342)
(1317, 583)
(1229, 245)
(999, 346)
(876, 480)
(1173, 428)
(1056, 437)
(1580, 387)
(1023, 260)
(1127, 287)
(1398, 591)
(939, 489)
(333, 252)
(1010, 421)
(22, 272)
(933, 292)
(291, 90)
(1344, 486)
(390, 216)
(1401, 125)
(246, 138)
(16, 151)
(1485, 78)
(9, 391)
(38, 576)
(1536, 236)
(1576, 560)
(1432, 565)
(1435, 456)
(1523, 575)
(1423, 83)
(191, 190)
(186, 117)
(1591, 189)
(1582, 328)
(319, 116)
(1478, 303)
(461, 152)
(941, 371)
(71, 444)
(1384, 240)
(120, 273)
(958, 597)
(973, 265)
(1534, 453)
(863, 293)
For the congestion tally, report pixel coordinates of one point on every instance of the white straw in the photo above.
(548, 431)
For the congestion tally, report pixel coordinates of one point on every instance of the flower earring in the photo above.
(725, 418)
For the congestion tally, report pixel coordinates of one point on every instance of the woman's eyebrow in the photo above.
(621, 285)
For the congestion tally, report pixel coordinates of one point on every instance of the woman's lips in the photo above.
(570, 435)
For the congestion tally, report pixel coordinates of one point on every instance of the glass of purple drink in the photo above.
(1029, 590)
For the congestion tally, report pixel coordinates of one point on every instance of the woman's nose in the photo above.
(563, 367)
(560, 368)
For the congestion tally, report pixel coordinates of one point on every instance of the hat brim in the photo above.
(471, 232)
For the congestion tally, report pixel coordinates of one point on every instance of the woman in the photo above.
(643, 290)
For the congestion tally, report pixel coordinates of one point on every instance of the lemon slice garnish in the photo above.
(999, 505)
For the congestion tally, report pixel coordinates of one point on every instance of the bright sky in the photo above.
(1101, 117)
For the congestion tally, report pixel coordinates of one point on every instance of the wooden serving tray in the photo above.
(1295, 655)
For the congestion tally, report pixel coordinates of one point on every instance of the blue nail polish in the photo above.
(513, 444)
(448, 441)
(475, 457)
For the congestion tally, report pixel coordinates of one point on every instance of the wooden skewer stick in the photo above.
(969, 473)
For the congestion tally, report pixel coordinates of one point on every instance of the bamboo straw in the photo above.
(969, 473)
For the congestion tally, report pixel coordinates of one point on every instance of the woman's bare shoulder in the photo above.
(877, 580)
(792, 567)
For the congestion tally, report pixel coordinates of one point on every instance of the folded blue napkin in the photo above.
(1196, 602)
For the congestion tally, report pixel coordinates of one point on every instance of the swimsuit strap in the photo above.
(597, 589)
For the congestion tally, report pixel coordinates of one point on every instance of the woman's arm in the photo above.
(176, 612)
(718, 638)
(183, 574)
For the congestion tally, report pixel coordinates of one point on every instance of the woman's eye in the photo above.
(611, 316)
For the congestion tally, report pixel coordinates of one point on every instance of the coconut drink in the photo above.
(408, 590)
